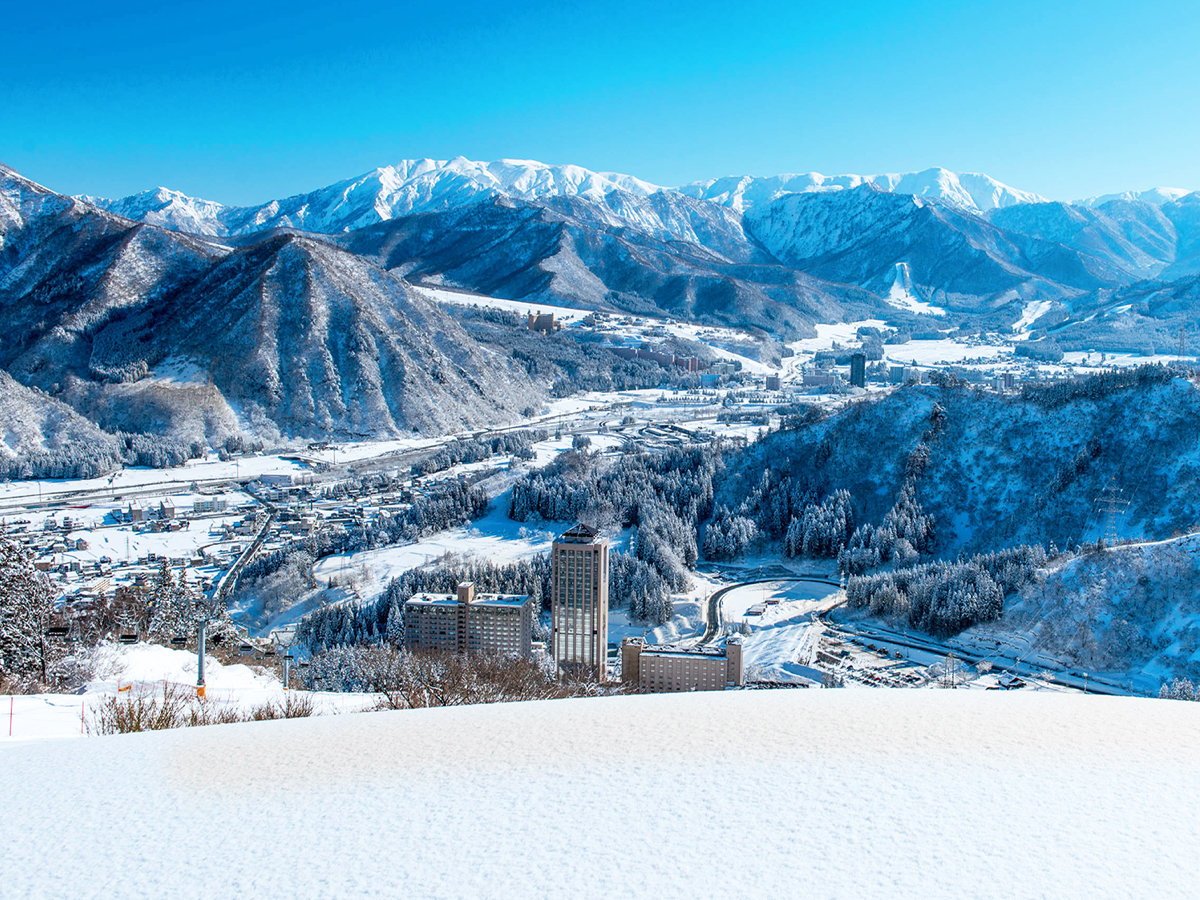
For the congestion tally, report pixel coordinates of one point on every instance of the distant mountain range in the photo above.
(146, 330)
(848, 229)
(167, 315)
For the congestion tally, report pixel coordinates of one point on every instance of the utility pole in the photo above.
(1112, 502)
(951, 679)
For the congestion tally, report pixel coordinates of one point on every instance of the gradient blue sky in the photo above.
(243, 102)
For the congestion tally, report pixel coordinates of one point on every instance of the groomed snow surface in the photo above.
(746, 794)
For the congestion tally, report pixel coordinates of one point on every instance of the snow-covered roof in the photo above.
(477, 600)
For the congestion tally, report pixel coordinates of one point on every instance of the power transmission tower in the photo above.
(1112, 502)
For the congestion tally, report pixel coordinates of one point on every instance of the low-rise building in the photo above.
(819, 379)
(470, 623)
(543, 322)
(665, 669)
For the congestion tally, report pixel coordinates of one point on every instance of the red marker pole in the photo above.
(11, 700)
(82, 704)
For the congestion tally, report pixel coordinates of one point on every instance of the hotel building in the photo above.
(579, 602)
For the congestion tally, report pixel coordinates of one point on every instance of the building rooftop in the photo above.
(579, 534)
(478, 600)
(673, 650)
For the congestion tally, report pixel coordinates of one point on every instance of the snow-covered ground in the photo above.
(465, 298)
(748, 793)
(494, 537)
(929, 353)
(779, 643)
(150, 668)
(167, 480)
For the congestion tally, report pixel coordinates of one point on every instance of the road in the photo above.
(712, 627)
(177, 478)
(863, 632)
(228, 582)
(860, 632)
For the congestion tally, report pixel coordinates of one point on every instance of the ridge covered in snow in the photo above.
(423, 185)
(409, 186)
(968, 190)
(1158, 196)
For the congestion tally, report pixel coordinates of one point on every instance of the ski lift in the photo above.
(303, 664)
(179, 641)
(245, 649)
(127, 638)
(270, 651)
(58, 632)
(216, 638)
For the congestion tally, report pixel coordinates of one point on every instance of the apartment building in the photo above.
(469, 623)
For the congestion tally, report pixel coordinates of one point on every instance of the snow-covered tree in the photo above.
(26, 606)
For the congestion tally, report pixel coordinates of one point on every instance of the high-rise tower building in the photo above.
(579, 601)
(858, 369)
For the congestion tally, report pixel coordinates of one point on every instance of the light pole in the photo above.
(202, 619)
(200, 659)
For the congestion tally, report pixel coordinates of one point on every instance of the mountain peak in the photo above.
(971, 191)
(1158, 196)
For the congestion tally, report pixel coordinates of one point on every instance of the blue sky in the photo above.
(242, 102)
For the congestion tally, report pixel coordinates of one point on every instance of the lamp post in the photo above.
(200, 659)
(204, 616)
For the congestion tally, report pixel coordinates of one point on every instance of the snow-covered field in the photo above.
(494, 537)
(778, 645)
(465, 298)
(751, 794)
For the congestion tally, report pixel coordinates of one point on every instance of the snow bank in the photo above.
(155, 663)
(824, 793)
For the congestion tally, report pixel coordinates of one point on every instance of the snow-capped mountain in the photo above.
(970, 191)
(1145, 239)
(38, 432)
(143, 329)
(863, 234)
(167, 209)
(526, 230)
(426, 185)
(1154, 196)
(565, 252)
(410, 186)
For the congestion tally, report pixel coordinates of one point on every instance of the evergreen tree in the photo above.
(26, 607)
